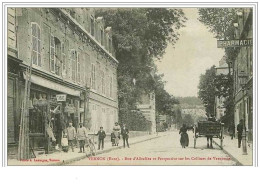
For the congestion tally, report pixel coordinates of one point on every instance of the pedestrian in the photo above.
(209, 137)
(82, 136)
(71, 135)
(239, 132)
(116, 131)
(101, 136)
(184, 136)
(125, 135)
(231, 130)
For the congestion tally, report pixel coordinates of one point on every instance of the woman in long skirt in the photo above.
(184, 136)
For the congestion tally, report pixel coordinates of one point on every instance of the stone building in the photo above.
(147, 107)
(243, 62)
(73, 76)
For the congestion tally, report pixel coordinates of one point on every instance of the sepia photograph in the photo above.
(130, 86)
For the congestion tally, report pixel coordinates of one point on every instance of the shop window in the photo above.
(36, 44)
(37, 112)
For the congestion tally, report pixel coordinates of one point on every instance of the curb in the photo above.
(238, 163)
(64, 162)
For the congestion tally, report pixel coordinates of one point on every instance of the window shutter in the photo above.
(52, 50)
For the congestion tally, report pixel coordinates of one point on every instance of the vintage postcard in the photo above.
(130, 85)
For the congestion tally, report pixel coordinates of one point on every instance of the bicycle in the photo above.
(91, 147)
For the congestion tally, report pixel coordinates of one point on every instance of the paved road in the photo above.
(165, 150)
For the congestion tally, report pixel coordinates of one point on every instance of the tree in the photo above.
(220, 23)
(139, 36)
(188, 120)
(207, 90)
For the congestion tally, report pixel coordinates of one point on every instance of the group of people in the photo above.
(115, 135)
(81, 135)
(70, 134)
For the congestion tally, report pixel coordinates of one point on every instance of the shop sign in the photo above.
(234, 43)
(61, 97)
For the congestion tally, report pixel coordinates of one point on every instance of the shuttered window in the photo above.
(36, 44)
(73, 62)
(63, 59)
(110, 86)
(93, 76)
(78, 68)
(103, 82)
(10, 112)
(52, 55)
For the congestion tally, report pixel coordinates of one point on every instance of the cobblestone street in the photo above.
(165, 150)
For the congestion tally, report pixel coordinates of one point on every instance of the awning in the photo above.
(52, 85)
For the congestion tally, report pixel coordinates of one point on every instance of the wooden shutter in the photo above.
(10, 112)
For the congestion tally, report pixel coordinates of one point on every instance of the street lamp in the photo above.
(242, 75)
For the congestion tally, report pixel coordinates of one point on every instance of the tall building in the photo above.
(73, 76)
(243, 62)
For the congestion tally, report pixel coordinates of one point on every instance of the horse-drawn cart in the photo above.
(209, 129)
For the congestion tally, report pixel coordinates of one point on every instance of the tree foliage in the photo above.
(139, 36)
(220, 23)
(207, 91)
(188, 120)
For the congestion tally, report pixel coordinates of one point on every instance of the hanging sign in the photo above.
(61, 97)
(234, 43)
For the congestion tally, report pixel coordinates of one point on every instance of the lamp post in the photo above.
(243, 78)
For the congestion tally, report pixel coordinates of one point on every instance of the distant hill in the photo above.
(190, 101)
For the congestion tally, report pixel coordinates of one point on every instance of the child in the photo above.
(101, 136)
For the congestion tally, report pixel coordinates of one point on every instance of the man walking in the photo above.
(82, 136)
(101, 136)
(239, 132)
(231, 130)
(71, 134)
(125, 135)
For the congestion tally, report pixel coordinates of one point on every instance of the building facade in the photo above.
(73, 74)
(147, 107)
(243, 62)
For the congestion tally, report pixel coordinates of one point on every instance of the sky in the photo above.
(195, 51)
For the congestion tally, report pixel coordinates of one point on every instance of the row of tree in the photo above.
(139, 36)
(220, 22)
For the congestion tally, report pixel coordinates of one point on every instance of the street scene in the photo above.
(130, 86)
(161, 151)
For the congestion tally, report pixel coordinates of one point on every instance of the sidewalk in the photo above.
(230, 147)
(61, 158)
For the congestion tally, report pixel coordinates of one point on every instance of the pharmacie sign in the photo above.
(234, 43)
(61, 97)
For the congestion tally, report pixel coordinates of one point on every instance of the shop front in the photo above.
(50, 112)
